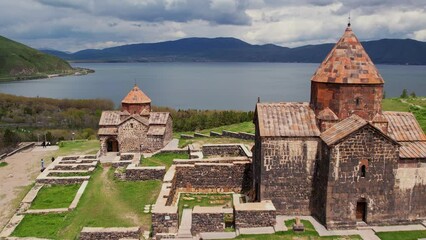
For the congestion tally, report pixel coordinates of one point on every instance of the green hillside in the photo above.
(18, 61)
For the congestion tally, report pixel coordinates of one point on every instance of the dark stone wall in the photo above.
(341, 99)
(110, 235)
(145, 173)
(62, 180)
(207, 222)
(222, 150)
(225, 176)
(286, 172)
(164, 223)
(346, 186)
(250, 219)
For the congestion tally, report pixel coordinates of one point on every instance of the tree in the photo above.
(384, 94)
(404, 93)
(10, 138)
(413, 94)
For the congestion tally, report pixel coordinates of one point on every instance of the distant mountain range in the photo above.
(385, 51)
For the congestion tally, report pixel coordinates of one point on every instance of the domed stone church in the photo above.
(340, 158)
(135, 128)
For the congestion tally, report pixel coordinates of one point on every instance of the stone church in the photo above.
(135, 128)
(340, 158)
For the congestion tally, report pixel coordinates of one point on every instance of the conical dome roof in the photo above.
(348, 63)
(136, 96)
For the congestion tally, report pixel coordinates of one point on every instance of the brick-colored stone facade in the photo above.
(347, 99)
(254, 218)
(355, 163)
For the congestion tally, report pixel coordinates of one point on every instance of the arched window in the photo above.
(363, 170)
(357, 102)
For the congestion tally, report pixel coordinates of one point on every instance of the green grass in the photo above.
(55, 196)
(41, 225)
(394, 104)
(162, 159)
(105, 203)
(213, 140)
(404, 235)
(308, 234)
(238, 127)
(76, 147)
(3, 164)
(20, 61)
(190, 200)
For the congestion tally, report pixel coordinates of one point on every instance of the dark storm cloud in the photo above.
(214, 11)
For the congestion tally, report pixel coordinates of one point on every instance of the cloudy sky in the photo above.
(73, 25)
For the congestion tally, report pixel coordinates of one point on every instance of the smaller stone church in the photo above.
(135, 128)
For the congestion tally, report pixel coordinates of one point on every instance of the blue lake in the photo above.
(203, 85)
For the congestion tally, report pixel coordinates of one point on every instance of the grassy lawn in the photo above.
(3, 164)
(190, 200)
(105, 203)
(162, 159)
(238, 127)
(77, 147)
(40, 225)
(308, 234)
(405, 235)
(55, 196)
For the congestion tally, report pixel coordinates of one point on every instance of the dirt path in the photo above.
(114, 198)
(21, 171)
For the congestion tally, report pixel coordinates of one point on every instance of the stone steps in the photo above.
(185, 224)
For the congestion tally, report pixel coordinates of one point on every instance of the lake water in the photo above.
(203, 85)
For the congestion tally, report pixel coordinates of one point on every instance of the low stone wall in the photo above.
(202, 135)
(110, 233)
(253, 214)
(62, 180)
(121, 163)
(164, 223)
(239, 135)
(228, 177)
(209, 219)
(84, 166)
(226, 150)
(134, 173)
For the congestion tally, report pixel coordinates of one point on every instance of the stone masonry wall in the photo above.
(286, 173)
(131, 134)
(346, 186)
(411, 193)
(144, 173)
(165, 223)
(251, 219)
(231, 176)
(110, 233)
(63, 180)
(341, 99)
(207, 222)
(222, 150)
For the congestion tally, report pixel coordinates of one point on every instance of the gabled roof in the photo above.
(342, 129)
(156, 130)
(346, 127)
(136, 96)
(109, 118)
(403, 127)
(159, 118)
(107, 131)
(327, 114)
(349, 63)
(138, 118)
(286, 120)
(413, 150)
(379, 118)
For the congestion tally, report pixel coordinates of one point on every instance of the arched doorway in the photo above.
(112, 145)
(361, 210)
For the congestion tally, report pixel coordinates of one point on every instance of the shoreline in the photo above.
(77, 71)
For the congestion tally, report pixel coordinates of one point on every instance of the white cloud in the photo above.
(79, 24)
